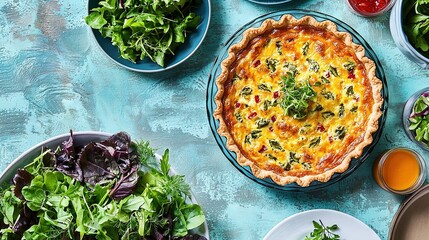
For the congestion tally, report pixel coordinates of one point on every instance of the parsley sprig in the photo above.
(322, 232)
(296, 96)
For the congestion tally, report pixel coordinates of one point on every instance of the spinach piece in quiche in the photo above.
(275, 145)
(305, 48)
(296, 97)
(314, 66)
(272, 64)
(349, 65)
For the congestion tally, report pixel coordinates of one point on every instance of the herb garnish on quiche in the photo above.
(297, 100)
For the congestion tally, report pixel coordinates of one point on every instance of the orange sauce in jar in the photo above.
(400, 170)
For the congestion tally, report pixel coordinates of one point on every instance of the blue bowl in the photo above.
(269, 2)
(212, 91)
(183, 52)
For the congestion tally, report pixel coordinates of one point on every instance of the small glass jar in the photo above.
(400, 170)
(370, 8)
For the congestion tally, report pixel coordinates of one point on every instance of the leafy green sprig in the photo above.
(296, 96)
(322, 232)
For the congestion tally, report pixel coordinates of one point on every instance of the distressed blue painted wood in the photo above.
(53, 77)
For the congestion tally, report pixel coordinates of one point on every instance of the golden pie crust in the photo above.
(280, 150)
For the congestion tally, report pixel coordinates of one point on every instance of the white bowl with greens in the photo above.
(409, 21)
(96, 186)
(415, 118)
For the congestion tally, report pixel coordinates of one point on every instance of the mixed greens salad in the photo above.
(419, 119)
(114, 189)
(145, 28)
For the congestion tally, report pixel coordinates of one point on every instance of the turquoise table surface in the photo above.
(54, 77)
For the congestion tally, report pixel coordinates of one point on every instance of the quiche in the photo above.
(297, 100)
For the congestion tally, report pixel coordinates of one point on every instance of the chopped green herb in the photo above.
(317, 84)
(236, 78)
(341, 110)
(340, 132)
(238, 117)
(271, 157)
(305, 48)
(354, 109)
(266, 104)
(350, 91)
(271, 64)
(318, 108)
(306, 165)
(279, 47)
(262, 122)
(264, 87)
(286, 166)
(246, 91)
(304, 129)
(296, 97)
(254, 134)
(349, 65)
(325, 80)
(333, 71)
(314, 66)
(327, 114)
(290, 67)
(275, 145)
(293, 158)
(314, 142)
(327, 94)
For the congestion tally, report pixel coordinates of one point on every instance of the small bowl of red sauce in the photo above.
(370, 8)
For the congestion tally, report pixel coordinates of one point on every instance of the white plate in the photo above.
(297, 226)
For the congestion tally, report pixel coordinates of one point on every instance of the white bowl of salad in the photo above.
(408, 26)
(94, 185)
(415, 118)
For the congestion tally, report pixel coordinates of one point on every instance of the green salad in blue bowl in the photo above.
(148, 36)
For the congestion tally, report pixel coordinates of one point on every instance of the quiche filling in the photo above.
(297, 100)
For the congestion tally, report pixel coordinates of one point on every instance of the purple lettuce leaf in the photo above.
(21, 179)
(103, 162)
(26, 219)
(66, 160)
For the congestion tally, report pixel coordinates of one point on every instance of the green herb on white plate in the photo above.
(322, 232)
